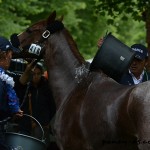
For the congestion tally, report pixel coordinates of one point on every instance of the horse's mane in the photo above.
(73, 45)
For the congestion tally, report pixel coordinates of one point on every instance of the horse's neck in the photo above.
(64, 69)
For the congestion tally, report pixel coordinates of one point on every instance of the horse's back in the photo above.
(95, 116)
(104, 117)
(115, 116)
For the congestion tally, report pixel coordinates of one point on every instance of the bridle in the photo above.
(38, 48)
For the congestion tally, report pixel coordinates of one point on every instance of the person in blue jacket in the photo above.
(137, 72)
(9, 102)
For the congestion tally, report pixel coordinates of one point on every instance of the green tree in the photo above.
(138, 10)
(14, 15)
(85, 24)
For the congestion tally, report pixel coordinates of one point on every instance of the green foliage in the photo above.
(117, 7)
(86, 20)
(127, 17)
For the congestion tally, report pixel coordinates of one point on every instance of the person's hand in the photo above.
(100, 42)
(24, 79)
(30, 66)
(19, 113)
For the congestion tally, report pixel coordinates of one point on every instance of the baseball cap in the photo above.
(6, 45)
(141, 52)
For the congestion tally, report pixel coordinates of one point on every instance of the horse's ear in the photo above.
(52, 17)
(61, 18)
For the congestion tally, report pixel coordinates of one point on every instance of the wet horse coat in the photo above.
(93, 111)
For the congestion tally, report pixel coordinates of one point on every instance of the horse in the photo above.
(94, 112)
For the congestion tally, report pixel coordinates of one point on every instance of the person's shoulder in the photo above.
(125, 79)
(126, 75)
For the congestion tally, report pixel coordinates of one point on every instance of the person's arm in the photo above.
(24, 78)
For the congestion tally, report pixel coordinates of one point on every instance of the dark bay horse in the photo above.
(93, 111)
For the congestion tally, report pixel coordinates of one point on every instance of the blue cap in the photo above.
(6, 45)
(141, 52)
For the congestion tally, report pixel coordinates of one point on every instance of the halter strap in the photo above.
(50, 29)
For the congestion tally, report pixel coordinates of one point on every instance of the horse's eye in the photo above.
(28, 30)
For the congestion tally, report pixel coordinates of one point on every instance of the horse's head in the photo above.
(36, 34)
(66, 67)
(39, 37)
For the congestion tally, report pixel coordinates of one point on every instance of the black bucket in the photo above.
(113, 57)
(25, 142)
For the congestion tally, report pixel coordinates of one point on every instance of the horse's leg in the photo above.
(139, 110)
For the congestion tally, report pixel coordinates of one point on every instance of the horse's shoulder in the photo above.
(100, 81)
(100, 77)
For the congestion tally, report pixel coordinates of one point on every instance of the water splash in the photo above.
(81, 72)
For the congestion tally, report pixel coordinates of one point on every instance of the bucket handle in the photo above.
(37, 123)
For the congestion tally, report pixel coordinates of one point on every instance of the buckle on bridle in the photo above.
(46, 34)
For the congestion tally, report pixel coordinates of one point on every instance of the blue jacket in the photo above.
(127, 78)
(7, 107)
(4, 109)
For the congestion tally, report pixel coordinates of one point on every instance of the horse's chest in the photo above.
(67, 124)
